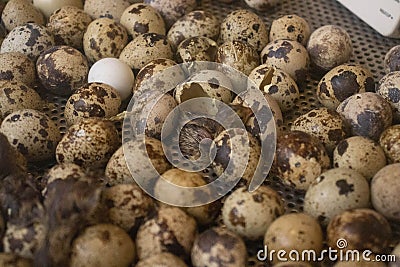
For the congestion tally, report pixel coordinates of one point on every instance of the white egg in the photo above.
(115, 73)
(49, 6)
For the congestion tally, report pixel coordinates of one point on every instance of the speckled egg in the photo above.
(10, 160)
(299, 159)
(171, 11)
(249, 214)
(195, 23)
(389, 88)
(106, 9)
(384, 191)
(169, 229)
(16, 66)
(30, 39)
(278, 84)
(342, 82)
(62, 69)
(288, 55)
(92, 100)
(390, 143)
(19, 12)
(104, 37)
(65, 171)
(329, 46)
(367, 114)
(392, 59)
(238, 55)
(145, 48)
(361, 228)
(47, 8)
(141, 18)
(89, 143)
(16, 95)
(295, 231)
(218, 246)
(291, 27)
(32, 133)
(164, 259)
(325, 124)
(261, 5)
(68, 24)
(335, 191)
(244, 25)
(361, 154)
(14, 260)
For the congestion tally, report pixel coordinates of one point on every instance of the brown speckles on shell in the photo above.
(389, 88)
(105, 8)
(19, 12)
(390, 142)
(290, 27)
(197, 48)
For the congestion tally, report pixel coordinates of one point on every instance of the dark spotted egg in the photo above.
(16, 66)
(291, 27)
(389, 88)
(392, 59)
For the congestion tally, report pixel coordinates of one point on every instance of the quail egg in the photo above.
(92, 100)
(104, 37)
(367, 114)
(335, 191)
(62, 69)
(325, 124)
(106, 9)
(103, 245)
(244, 25)
(14, 260)
(195, 23)
(10, 161)
(390, 143)
(218, 246)
(384, 187)
(299, 159)
(289, 56)
(295, 231)
(164, 259)
(19, 12)
(389, 88)
(30, 39)
(89, 143)
(16, 66)
(32, 133)
(361, 154)
(392, 59)
(361, 228)
(142, 18)
(47, 8)
(68, 24)
(329, 46)
(342, 82)
(276, 83)
(65, 171)
(261, 5)
(170, 229)
(291, 27)
(249, 214)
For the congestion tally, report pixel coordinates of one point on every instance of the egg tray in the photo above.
(369, 50)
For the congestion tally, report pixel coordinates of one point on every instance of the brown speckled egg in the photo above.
(300, 158)
(276, 83)
(14, 260)
(30, 39)
(145, 48)
(92, 100)
(291, 27)
(68, 24)
(295, 231)
(238, 55)
(103, 245)
(367, 114)
(390, 142)
(288, 55)
(19, 12)
(392, 59)
(335, 191)
(325, 124)
(105, 9)
(384, 191)
(141, 18)
(104, 37)
(164, 259)
(89, 143)
(62, 69)
(127, 205)
(249, 214)
(195, 23)
(389, 88)
(16, 95)
(361, 154)
(171, 11)
(158, 115)
(244, 25)
(218, 246)
(65, 171)
(32, 133)
(329, 46)
(169, 229)
(261, 5)
(16, 66)
(47, 8)
(361, 228)
(342, 82)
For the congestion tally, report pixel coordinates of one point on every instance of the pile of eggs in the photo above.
(87, 210)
